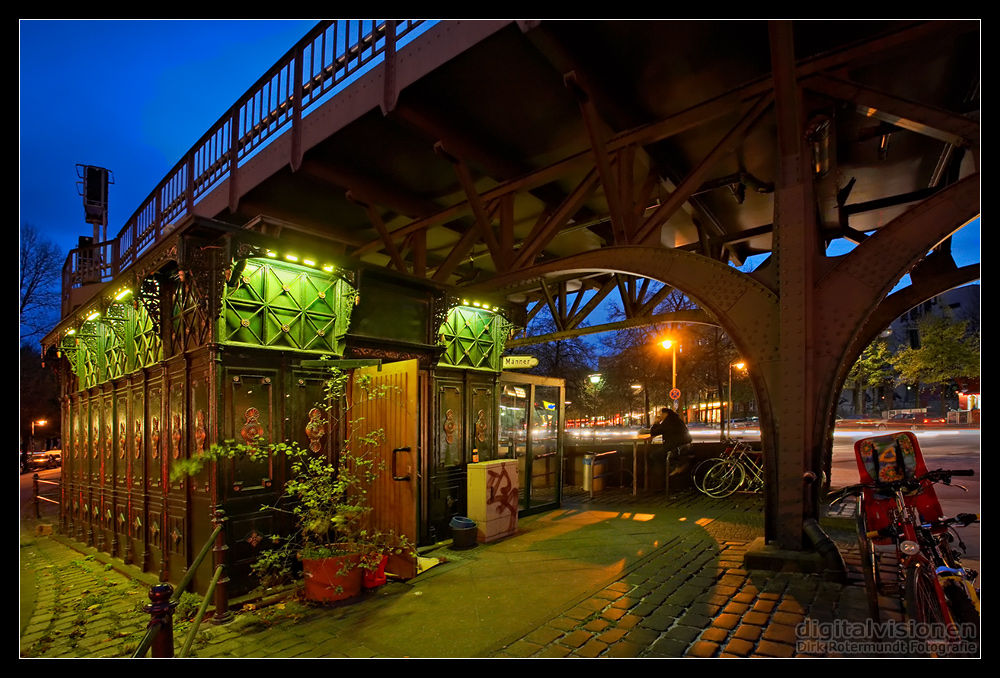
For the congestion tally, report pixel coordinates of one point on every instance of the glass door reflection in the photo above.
(531, 413)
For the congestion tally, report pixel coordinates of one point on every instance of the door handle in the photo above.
(394, 472)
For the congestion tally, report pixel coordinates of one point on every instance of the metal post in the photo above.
(219, 553)
(673, 360)
(729, 403)
(34, 486)
(161, 610)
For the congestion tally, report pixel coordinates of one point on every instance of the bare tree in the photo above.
(40, 265)
(39, 398)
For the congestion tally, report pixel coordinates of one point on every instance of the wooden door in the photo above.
(386, 399)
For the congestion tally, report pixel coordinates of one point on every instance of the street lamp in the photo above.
(672, 345)
(729, 411)
(595, 379)
(31, 442)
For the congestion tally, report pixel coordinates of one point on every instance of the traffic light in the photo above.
(95, 193)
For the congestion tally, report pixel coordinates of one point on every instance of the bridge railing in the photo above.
(317, 67)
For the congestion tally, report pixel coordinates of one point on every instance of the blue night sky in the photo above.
(130, 96)
(133, 96)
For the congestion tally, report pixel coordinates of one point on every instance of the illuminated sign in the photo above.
(514, 362)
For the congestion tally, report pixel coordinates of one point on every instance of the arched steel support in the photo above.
(851, 298)
(746, 309)
(844, 302)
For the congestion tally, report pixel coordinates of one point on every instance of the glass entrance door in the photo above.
(531, 430)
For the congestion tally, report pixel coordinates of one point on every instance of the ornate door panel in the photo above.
(252, 411)
(93, 484)
(201, 499)
(464, 430)
(387, 399)
(113, 449)
(447, 490)
(129, 491)
(73, 468)
(482, 420)
(171, 516)
(144, 479)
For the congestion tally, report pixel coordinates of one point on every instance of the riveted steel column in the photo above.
(795, 248)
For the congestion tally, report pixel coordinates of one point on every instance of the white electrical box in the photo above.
(493, 499)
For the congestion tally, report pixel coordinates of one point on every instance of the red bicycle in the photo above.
(900, 523)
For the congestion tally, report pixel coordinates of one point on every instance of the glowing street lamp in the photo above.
(671, 345)
(39, 423)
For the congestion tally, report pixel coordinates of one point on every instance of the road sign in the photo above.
(514, 362)
(675, 394)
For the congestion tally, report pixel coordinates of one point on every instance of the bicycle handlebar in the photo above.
(940, 475)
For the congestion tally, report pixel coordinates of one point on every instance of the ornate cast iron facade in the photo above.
(204, 349)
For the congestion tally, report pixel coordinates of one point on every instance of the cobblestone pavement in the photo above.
(690, 596)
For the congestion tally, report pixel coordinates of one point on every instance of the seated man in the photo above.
(672, 428)
(675, 435)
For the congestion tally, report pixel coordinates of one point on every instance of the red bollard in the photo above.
(161, 610)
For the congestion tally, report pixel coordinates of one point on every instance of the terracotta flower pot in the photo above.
(376, 577)
(331, 579)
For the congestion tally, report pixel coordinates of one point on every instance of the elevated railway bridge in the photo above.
(526, 165)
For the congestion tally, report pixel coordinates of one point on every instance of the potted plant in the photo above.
(332, 538)
(332, 545)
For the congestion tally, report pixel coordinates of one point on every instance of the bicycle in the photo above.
(698, 472)
(900, 517)
(738, 467)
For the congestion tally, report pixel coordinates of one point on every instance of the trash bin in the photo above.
(463, 533)
(593, 472)
(588, 472)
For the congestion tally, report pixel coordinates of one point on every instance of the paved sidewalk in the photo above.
(617, 576)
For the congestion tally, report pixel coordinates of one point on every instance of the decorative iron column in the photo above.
(795, 248)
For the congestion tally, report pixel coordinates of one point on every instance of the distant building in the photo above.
(961, 304)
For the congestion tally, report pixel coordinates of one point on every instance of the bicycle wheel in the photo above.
(724, 478)
(921, 599)
(869, 564)
(923, 607)
(698, 473)
(966, 616)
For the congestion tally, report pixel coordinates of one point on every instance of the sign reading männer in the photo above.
(514, 362)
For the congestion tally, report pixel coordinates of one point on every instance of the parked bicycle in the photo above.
(900, 524)
(738, 468)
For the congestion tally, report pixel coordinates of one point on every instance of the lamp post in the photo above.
(31, 442)
(729, 408)
(595, 380)
(672, 345)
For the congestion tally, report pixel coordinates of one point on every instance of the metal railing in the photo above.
(39, 497)
(163, 599)
(317, 67)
